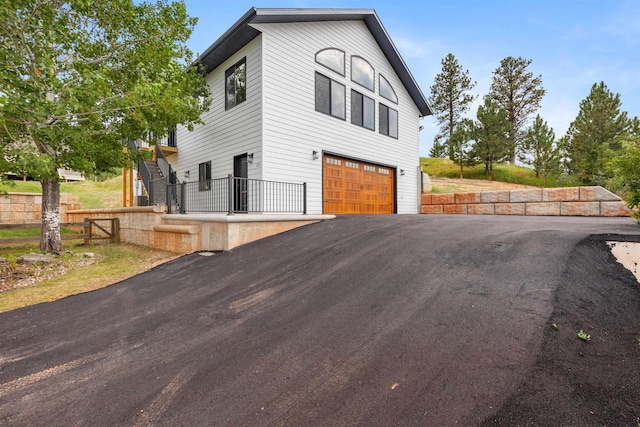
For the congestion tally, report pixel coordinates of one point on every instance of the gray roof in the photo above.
(242, 33)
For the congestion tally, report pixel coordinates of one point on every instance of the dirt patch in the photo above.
(15, 276)
(474, 185)
(580, 382)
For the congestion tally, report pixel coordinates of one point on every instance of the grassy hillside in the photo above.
(90, 194)
(504, 173)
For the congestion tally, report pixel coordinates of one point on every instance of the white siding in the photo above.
(229, 133)
(292, 128)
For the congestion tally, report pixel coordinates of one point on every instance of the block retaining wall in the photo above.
(151, 226)
(26, 208)
(571, 201)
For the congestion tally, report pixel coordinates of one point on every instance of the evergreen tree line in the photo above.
(601, 146)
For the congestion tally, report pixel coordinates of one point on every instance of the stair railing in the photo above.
(170, 177)
(143, 170)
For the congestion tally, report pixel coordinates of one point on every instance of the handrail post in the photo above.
(167, 196)
(183, 197)
(230, 198)
(304, 198)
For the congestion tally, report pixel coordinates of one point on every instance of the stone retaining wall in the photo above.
(26, 208)
(151, 226)
(571, 201)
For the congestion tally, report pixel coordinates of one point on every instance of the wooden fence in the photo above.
(92, 230)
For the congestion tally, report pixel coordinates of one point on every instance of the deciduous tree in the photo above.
(625, 167)
(515, 89)
(540, 150)
(77, 76)
(450, 99)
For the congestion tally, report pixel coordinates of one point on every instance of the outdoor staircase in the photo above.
(158, 188)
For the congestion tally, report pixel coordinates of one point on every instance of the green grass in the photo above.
(113, 263)
(31, 232)
(505, 173)
(90, 194)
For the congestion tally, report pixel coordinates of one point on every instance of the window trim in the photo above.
(380, 130)
(344, 56)
(373, 70)
(331, 83)
(380, 78)
(231, 71)
(373, 128)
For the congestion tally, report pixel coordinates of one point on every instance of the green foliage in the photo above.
(437, 150)
(515, 89)
(584, 336)
(540, 150)
(459, 143)
(78, 76)
(449, 99)
(596, 135)
(491, 135)
(626, 169)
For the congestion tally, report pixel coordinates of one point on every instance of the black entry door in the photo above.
(240, 182)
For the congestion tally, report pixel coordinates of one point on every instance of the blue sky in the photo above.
(572, 43)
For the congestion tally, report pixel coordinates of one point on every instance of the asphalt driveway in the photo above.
(376, 321)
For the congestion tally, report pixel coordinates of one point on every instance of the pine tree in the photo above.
(540, 150)
(491, 135)
(450, 100)
(515, 89)
(460, 139)
(595, 135)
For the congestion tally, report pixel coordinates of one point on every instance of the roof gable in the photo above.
(242, 33)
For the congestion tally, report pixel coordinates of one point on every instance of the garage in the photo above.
(356, 187)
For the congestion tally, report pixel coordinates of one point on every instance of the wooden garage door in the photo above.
(354, 187)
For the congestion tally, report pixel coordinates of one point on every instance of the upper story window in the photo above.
(330, 97)
(362, 110)
(388, 121)
(362, 72)
(331, 58)
(235, 84)
(172, 139)
(386, 90)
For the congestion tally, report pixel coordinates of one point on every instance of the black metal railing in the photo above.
(240, 195)
(171, 179)
(143, 169)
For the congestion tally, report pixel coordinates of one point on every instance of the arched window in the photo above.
(362, 72)
(386, 90)
(331, 58)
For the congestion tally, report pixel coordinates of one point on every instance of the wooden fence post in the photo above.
(87, 231)
(115, 230)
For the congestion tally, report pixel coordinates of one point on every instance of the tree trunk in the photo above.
(50, 240)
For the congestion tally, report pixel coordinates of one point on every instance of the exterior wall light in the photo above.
(401, 172)
(250, 158)
(186, 174)
(315, 155)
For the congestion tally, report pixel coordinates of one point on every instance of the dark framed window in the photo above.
(386, 90)
(235, 81)
(204, 176)
(330, 97)
(172, 139)
(362, 72)
(388, 121)
(362, 110)
(331, 58)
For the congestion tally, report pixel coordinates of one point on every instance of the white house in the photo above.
(319, 96)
